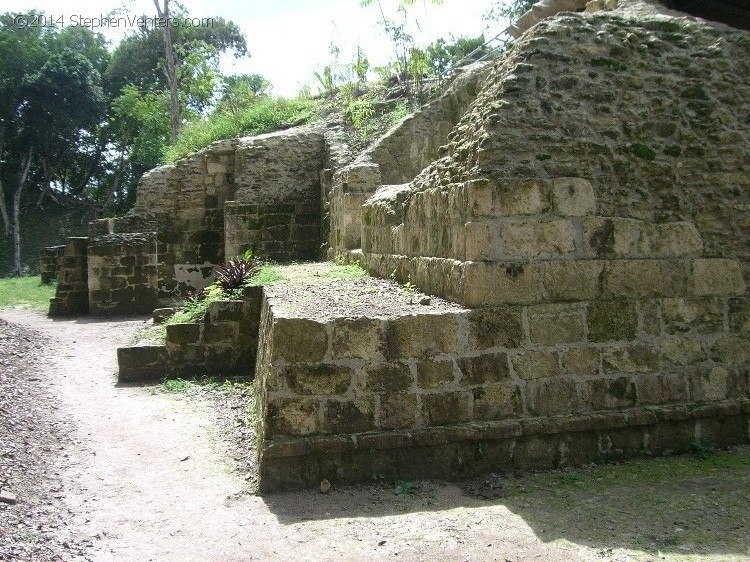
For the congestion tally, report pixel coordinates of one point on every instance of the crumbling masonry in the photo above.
(586, 199)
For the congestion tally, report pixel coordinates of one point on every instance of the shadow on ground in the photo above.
(684, 505)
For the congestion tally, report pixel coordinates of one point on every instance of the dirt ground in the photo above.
(103, 472)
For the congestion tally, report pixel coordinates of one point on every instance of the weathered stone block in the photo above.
(496, 327)
(678, 239)
(552, 330)
(299, 340)
(490, 367)
(183, 333)
(318, 378)
(739, 316)
(497, 401)
(388, 377)
(603, 394)
(141, 363)
(717, 277)
(573, 197)
(611, 237)
(634, 279)
(479, 242)
(640, 358)
(445, 408)
(435, 374)
(536, 364)
(547, 397)
(398, 410)
(581, 361)
(225, 311)
(349, 416)
(359, 338)
(682, 350)
(222, 332)
(704, 315)
(520, 197)
(732, 351)
(612, 321)
(710, 384)
(421, 335)
(492, 284)
(662, 389)
(292, 417)
(573, 280)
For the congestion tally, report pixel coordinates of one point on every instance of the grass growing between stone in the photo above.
(670, 508)
(25, 292)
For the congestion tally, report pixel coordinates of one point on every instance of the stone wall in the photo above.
(640, 120)
(50, 260)
(223, 344)
(72, 295)
(277, 207)
(122, 274)
(458, 393)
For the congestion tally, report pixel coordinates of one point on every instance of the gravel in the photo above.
(34, 437)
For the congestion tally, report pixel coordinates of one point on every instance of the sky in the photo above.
(290, 39)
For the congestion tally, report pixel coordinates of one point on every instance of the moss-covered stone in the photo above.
(612, 321)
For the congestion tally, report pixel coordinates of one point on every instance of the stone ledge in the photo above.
(453, 452)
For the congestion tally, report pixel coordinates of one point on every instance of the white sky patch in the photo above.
(290, 39)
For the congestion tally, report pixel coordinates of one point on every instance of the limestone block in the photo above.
(705, 315)
(513, 198)
(398, 410)
(717, 277)
(434, 374)
(555, 237)
(318, 378)
(491, 284)
(573, 280)
(422, 335)
(359, 338)
(445, 408)
(292, 417)
(650, 318)
(490, 367)
(573, 197)
(678, 239)
(183, 333)
(497, 401)
(611, 321)
(581, 361)
(662, 389)
(603, 394)
(635, 279)
(299, 340)
(141, 363)
(222, 332)
(553, 396)
(225, 311)
(564, 326)
(215, 168)
(479, 242)
(495, 327)
(710, 385)
(607, 237)
(739, 316)
(519, 239)
(732, 351)
(533, 364)
(387, 377)
(349, 416)
(640, 358)
(682, 350)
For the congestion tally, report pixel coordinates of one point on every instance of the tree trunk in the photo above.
(17, 270)
(3, 207)
(170, 69)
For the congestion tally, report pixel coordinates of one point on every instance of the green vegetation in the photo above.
(643, 151)
(25, 292)
(265, 116)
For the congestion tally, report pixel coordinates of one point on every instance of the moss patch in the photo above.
(612, 321)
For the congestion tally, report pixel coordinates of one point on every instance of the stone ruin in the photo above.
(586, 199)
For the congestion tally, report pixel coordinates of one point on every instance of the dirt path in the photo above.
(152, 480)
